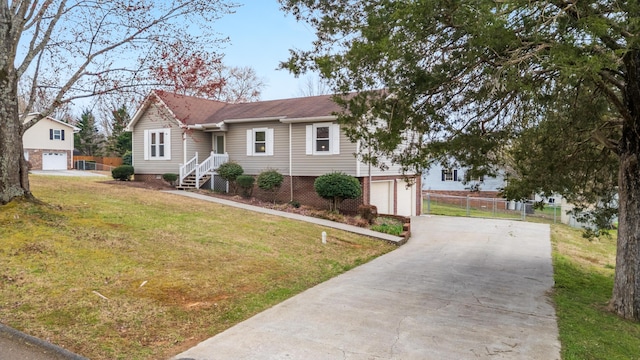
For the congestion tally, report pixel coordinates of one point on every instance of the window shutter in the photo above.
(50, 134)
(309, 139)
(249, 142)
(442, 173)
(270, 141)
(62, 134)
(335, 139)
(455, 175)
(167, 144)
(146, 144)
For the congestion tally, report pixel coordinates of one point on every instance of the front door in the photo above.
(218, 144)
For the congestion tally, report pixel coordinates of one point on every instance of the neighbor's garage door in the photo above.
(382, 196)
(54, 161)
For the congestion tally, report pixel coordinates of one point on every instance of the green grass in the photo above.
(388, 226)
(115, 272)
(583, 273)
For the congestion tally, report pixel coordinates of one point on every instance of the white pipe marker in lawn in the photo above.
(324, 237)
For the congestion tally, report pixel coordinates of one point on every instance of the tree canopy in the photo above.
(549, 90)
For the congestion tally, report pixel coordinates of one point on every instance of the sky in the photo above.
(260, 36)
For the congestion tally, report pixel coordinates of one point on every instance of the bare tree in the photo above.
(241, 84)
(83, 48)
(314, 86)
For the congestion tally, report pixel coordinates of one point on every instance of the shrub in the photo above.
(245, 182)
(270, 181)
(122, 172)
(127, 158)
(295, 203)
(388, 226)
(230, 171)
(171, 178)
(368, 213)
(336, 187)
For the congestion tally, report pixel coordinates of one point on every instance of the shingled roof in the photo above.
(193, 110)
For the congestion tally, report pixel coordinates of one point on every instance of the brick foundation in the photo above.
(305, 194)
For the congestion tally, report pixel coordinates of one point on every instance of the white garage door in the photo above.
(382, 196)
(406, 199)
(54, 161)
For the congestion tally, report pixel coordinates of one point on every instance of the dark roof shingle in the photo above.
(193, 110)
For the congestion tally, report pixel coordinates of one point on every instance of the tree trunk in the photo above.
(626, 289)
(14, 172)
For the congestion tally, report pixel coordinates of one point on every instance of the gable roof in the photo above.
(34, 114)
(190, 110)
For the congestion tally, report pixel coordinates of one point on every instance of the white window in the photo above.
(260, 142)
(323, 138)
(157, 144)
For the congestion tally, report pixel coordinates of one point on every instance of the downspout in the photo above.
(290, 164)
(184, 147)
(370, 177)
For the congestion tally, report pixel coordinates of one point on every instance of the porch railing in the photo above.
(188, 168)
(207, 166)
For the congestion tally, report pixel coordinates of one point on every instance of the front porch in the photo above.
(195, 174)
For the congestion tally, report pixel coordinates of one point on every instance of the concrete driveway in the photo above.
(461, 288)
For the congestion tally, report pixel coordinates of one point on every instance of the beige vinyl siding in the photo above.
(392, 169)
(236, 143)
(37, 137)
(154, 119)
(200, 142)
(316, 165)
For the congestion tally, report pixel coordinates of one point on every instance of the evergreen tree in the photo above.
(119, 142)
(549, 89)
(88, 141)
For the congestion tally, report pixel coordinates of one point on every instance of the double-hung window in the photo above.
(56, 134)
(259, 142)
(157, 144)
(323, 139)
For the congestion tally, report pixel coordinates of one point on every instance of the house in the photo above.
(48, 144)
(455, 181)
(298, 137)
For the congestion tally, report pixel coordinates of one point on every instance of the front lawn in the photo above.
(583, 273)
(115, 272)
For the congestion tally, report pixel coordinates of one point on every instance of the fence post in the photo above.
(468, 209)
(428, 203)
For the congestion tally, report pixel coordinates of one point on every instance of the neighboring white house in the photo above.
(452, 180)
(48, 145)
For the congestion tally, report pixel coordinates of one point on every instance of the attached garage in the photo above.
(54, 161)
(395, 197)
(406, 198)
(382, 196)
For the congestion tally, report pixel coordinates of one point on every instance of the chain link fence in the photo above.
(439, 204)
(91, 165)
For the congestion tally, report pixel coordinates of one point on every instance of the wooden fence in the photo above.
(109, 161)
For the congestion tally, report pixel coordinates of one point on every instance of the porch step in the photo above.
(190, 182)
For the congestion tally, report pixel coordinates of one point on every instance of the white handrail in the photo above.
(207, 166)
(188, 168)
